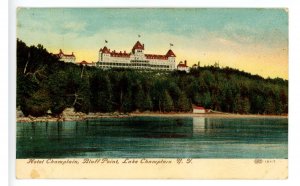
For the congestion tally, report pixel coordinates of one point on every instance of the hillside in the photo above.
(46, 85)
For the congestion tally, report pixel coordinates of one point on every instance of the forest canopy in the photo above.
(46, 85)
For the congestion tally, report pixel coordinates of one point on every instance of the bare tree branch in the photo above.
(25, 68)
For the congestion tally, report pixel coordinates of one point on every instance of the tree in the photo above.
(44, 82)
(38, 104)
(284, 100)
(245, 106)
(147, 103)
(101, 93)
(237, 104)
(139, 98)
(269, 106)
(206, 100)
(157, 95)
(197, 98)
(174, 92)
(82, 97)
(127, 103)
(167, 102)
(183, 103)
(257, 104)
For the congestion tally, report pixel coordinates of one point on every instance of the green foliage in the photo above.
(270, 106)
(57, 85)
(167, 102)
(45, 83)
(101, 93)
(38, 104)
(206, 100)
(147, 103)
(183, 103)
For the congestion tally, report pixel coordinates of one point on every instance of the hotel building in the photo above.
(68, 58)
(136, 59)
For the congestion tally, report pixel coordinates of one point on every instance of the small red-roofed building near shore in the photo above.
(182, 66)
(199, 110)
(136, 59)
(85, 63)
(68, 58)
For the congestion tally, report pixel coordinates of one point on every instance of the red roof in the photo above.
(199, 108)
(62, 54)
(114, 53)
(120, 54)
(138, 45)
(182, 65)
(105, 50)
(154, 56)
(170, 53)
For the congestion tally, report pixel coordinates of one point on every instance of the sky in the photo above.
(252, 40)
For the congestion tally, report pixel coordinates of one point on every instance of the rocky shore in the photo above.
(68, 115)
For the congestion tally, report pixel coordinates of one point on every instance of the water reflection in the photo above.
(199, 125)
(206, 125)
(153, 137)
(169, 128)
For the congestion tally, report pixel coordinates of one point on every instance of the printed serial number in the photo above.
(260, 161)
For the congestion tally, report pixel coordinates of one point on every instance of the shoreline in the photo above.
(209, 115)
(81, 116)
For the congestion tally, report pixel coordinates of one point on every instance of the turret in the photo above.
(138, 48)
(104, 54)
(171, 58)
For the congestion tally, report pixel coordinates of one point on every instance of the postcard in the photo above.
(160, 93)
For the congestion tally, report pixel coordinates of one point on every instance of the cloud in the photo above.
(74, 26)
(233, 43)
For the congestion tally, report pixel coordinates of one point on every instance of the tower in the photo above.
(171, 58)
(104, 54)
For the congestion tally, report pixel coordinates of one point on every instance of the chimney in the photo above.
(185, 62)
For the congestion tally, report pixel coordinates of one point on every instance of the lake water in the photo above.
(155, 137)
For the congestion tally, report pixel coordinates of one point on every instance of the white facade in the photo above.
(136, 59)
(183, 67)
(198, 111)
